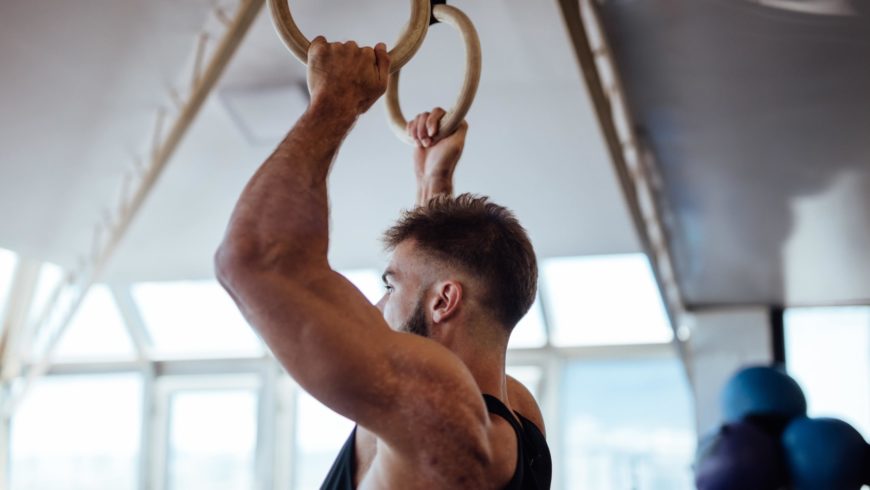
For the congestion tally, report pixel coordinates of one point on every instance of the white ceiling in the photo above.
(81, 82)
(759, 118)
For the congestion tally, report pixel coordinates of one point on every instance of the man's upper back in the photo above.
(521, 459)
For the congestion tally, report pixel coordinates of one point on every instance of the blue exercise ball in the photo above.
(824, 454)
(762, 390)
(739, 456)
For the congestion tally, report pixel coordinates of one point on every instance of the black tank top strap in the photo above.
(496, 407)
(340, 476)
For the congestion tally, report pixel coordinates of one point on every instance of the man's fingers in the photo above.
(433, 121)
(421, 129)
(318, 45)
(351, 44)
(383, 61)
(412, 131)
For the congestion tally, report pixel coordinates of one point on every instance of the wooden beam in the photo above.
(24, 282)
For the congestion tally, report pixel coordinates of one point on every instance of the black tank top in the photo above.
(534, 466)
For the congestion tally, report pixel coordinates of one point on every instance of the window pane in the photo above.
(212, 440)
(194, 319)
(627, 424)
(320, 433)
(604, 300)
(530, 331)
(50, 275)
(8, 260)
(529, 376)
(78, 432)
(828, 353)
(368, 281)
(97, 331)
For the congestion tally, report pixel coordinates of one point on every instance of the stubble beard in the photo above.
(417, 323)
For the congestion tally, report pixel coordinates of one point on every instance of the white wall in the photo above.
(721, 342)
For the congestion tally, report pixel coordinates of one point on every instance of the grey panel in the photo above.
(760, 120)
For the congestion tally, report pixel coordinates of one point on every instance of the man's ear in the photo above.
(447, 301)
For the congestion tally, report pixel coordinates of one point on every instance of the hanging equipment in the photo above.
(423, 14)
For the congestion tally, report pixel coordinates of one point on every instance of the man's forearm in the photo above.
(283, 210)
(427, 188)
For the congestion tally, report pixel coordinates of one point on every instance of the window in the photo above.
(530, 331)
(626, 424)
(528, 376)
(8, 261)
(603, 300)
(367, 281)
(194, 319)
(828, 353)
(78, 433)
(320, 433)
(212, 440)
(96, 332)
(50, 276)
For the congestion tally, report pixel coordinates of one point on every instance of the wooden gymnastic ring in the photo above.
(407, 45)
(450, 122)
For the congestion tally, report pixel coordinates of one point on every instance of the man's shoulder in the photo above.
(523, 402)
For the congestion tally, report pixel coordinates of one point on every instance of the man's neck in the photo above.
(486, 364)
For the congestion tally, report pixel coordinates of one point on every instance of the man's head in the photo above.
(457, 256)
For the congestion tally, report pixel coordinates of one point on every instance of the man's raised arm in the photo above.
(436, 155)
(273, 260)
(329, 338)
(283, 214)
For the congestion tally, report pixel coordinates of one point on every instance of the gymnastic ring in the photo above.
(407, 45)
(451, 121)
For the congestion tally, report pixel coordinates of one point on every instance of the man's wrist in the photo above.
(429, 188)
(431, 182)
(329, 109)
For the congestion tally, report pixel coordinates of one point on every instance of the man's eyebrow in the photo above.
(387, 273)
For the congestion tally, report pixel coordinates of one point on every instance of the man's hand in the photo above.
(345, 77)
(436, 155)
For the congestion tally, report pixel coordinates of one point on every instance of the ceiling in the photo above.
(759, 117)
(82, 80)
(757, 112)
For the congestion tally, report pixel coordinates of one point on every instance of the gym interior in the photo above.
(694, 176)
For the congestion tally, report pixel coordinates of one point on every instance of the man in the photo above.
(432, 409)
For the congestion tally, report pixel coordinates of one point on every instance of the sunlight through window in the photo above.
(194, 319)
(320, 433)
(8, 261)
(604, 300)
(626, 424)
(212, 440)
(97, 331)
(530, 331)
(367, 281)
(78, 433)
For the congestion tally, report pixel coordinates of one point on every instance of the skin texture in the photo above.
(416, 397)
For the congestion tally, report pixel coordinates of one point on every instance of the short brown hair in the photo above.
(482, 238)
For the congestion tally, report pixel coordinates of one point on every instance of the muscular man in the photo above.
(423, 373)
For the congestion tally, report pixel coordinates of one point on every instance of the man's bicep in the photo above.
(338, 347)
(326, 335)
